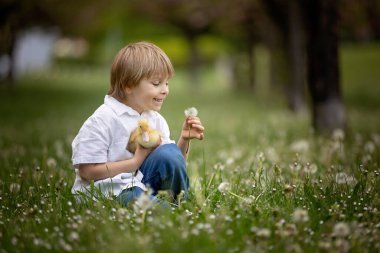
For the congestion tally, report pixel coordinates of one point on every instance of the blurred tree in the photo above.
(72, 17)
(191, 18)
(360, 20)
(238, 22)
(286, 43)
(372, 8)
(321, 19)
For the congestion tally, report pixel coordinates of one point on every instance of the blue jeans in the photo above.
(163, 169)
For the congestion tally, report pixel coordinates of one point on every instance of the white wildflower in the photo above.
(230, 161)
(250, 200)
(342, 245)
(263, 233)
(295, 167)
(300, 146)
(14, 188)
(343, 178)
(65, 246)
(376, 138)
(51, 162)
(311, 168)
(191, 112)
(73, 236)
(341, 229)
(272, 155)
(300, 215)
(369, 147)
(143, 203)
(223, 187)
(260, 156)
(338, 135)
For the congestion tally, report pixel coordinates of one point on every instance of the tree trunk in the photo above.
(373, 11)
(296, 59)
(287, 50)
(194, 61)
(8, 41)
(251, 66)
(323, 68)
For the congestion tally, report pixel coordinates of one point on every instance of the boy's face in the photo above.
(149, 94)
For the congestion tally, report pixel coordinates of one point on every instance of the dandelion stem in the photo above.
(234, 194)
(188, 141)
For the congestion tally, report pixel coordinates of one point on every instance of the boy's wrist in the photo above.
(136, 162)
(185, 139)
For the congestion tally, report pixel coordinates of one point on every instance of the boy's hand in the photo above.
(142, 153)
(192, 128)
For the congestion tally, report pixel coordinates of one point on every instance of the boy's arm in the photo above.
(192, 128)
(184, 146)
(99, 171)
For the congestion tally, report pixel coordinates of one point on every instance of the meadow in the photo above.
(261, 181)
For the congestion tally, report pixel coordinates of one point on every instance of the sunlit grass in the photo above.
(260, 181)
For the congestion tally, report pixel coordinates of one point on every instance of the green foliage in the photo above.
(285, 189)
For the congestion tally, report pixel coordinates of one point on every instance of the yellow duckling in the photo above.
(144, 135)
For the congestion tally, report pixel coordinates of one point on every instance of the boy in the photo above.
(139, 86)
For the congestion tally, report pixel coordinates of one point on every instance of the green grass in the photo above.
(277, 170)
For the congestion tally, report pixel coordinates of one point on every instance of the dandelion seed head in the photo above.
(73, 236)
(191, 112)
(300, 146)
(263, 233)
(229, 232)
(342, 245)
(300, 215)
(223, 187)
(260, 156)
(51, 162)
(369, 147)
(343, 178)
(143, 203)
(14, 188)
(341, 229)
(338, 135)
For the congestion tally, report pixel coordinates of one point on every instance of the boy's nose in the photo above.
(165, 89)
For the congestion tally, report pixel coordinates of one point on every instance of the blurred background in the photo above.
(291, 53)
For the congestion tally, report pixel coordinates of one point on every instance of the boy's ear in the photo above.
(128, 90)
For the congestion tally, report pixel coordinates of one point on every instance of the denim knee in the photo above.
(170, 160)
(165, 169)
(129, 195)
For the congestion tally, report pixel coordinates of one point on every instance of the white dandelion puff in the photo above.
(300, 215)
(369, 147)
(343, 178)
(14, 188)
(223, 187)
(191, 112)
(263, 233)
(143, 203)
(338, 135)
(51, 162)
(300, 146)
(341, 229)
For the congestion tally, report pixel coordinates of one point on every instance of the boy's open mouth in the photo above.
(158, 100)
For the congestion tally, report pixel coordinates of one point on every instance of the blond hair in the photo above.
(135, 62)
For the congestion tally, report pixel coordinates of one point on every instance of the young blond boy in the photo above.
(139, 86)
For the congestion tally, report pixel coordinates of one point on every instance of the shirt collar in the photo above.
(120, 108)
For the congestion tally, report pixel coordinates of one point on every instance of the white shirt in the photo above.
(104, 137)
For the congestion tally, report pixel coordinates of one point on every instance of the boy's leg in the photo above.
(165, 169)
(129, 195)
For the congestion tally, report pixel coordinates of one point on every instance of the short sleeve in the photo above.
(92, 143)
